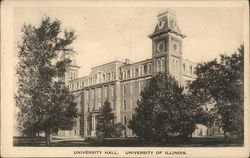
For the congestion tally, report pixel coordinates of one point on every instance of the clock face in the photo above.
(175, 46)
(160, 46)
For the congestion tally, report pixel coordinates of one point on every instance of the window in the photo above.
(191, 70)
(112, 75)
(131, 103)
(149, 69)
(108, 76)
(124, 120)
(145, 69)
(87, 97)
(112, 91)
(131, 88)
(99, 93)
(124, 104)
(95, 78)
(124, 90)
(163, 64)
(124, 75)
(93, 94)
(136, 72)
(133, 72)
(140, 84)
(158, 65)
(113, 104)
(128, 73)
(103, 77)
(184, 68)
(141, 70)
(105, 92)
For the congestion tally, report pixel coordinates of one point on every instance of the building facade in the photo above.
(120, 82)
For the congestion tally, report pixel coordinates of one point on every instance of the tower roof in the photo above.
(167, 22)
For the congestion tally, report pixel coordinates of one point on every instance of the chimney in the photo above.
(127, 61)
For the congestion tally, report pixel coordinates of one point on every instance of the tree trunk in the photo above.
(48, 137)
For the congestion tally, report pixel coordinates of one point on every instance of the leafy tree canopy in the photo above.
(45, 105)
(163, 111)
(220, 82)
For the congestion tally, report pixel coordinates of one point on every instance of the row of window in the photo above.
(138, 71)
(98, 96)
(100, 77)
(188, 70)
(128, 104)
(131, 89)
(100, 93)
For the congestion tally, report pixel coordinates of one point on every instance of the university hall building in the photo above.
(120, 82)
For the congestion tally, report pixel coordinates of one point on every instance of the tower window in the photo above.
(163, 64)
(158, 65)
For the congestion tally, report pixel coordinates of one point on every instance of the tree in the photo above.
(105, 121)
(163, 111)
(220, 82)
(44, 104)
(118, 128)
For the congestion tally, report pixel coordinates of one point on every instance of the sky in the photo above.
(110, 33)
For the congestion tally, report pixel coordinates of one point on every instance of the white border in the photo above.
(7, 72)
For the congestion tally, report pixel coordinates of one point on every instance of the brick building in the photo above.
(121, 82)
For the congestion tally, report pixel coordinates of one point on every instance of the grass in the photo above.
(125, 142)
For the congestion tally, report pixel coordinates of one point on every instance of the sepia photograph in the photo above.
(116, 79)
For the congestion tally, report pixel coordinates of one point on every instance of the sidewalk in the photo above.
(67, 138)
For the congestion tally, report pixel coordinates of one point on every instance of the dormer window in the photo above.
(191, 70)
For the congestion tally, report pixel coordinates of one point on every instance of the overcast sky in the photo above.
(108, 33)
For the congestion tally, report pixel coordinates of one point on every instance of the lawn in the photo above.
(123, 142)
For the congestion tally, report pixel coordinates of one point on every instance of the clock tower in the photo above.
(167, 45)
